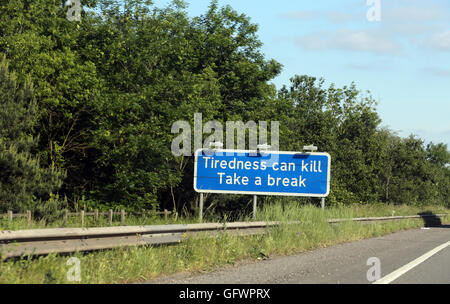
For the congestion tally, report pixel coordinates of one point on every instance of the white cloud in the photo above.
(419, 23)
(351, 40)
(438, 72)
(300, 15)
(339, 17)
(334, 16)
(409, 13)
(440, 41)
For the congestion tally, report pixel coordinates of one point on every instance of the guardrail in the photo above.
(388, 218)
(68, 240)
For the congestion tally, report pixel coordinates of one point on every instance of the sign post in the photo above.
(312, 149)
(255, 200)
(201, 208)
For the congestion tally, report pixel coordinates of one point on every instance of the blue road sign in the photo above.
(262, 173)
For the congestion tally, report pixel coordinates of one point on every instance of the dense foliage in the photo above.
(24, 182)
(107, 89)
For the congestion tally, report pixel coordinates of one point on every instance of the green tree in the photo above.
(150, 85)
(40, 43)
(164, 67)
(23, 181)
(438, 160)
(342, 122)
(409, 171)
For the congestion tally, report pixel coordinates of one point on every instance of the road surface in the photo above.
(416, 256)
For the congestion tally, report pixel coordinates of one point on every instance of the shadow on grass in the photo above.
(432, 220)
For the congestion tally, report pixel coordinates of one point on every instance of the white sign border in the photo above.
(262, 193)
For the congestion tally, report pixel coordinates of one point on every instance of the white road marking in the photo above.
(402, 270)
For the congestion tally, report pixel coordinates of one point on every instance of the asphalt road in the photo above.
(345, 263)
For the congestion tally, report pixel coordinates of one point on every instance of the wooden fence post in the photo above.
(110, 217)
(28, 217)
(122, 217)
(82, 218)
(66, 215)
(96, 215)
(166, 213)
(10, 215)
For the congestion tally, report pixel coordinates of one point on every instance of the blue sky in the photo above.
(403, 59)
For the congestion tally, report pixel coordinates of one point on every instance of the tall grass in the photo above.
(89, 222)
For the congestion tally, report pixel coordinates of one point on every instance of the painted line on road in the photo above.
(402, 270)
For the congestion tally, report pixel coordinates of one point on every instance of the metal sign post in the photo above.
(255, 200)
(201, 208)
(312, 149)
